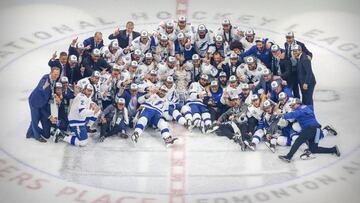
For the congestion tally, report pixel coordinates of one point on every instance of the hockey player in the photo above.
(233, 63)
(168, 30)
(71, 68)
(164, 48)
(194, 67)
(166, 69)
(144, 43)
(200, 114)
(111, 52)
(204, 39)
(222, 79)
(131, 97)
(233, 88)
(150, 83)
(154, 103)
(311, 132)
(254, 113)
(185, 27)
(114, 120)
(250, 72)
(130, 75)
(249, 40)
(245, 94)
(146, 66)
(94, 82)
(173, 111)
(229, 32)
(260, 51)
(220, 46)
(214, 92)
(68, 93)
(276, 88)
(82, 110)
(184, 49)
(108, 88)
(232, 123)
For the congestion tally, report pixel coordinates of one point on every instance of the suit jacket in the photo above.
(39, 97)
(285, 68)
(123, 39)
(303, 47)
(304, 71)
(90, 41)
(92, 66)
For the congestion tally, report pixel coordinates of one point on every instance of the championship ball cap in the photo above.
(295, 47)
(133, 86)
(148, 55)
(120, 100)
(295, 101)
(249, 60)
(88, 87)
(234, 96)
(244, 86)
(219, 38)
(144, 33)
(290, 34)
(137, 52)
(204, 76)
(202, 27)
(274, 85)
(170, 79)
(163, 88)
(267, 104)
(182, 18)
(115, 44)
(134, 64)
(64, 79)
(282, 96)
(266, 71)
(116, 67)
(73, 58)
(254, 97)
(164, 38)
(96, 74)
(195, 57)
(58, 85)
(222, 74)
(172, 59)
(234, 56)
(226, 22)
(214, 83)
(275, 47)
(180, 35)
(249, 32)
(96, 52)
(232, 78)
(259, 39)
(170, 24)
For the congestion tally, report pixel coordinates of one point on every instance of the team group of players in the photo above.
(229, 82)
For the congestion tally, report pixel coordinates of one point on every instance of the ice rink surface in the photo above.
(200, 168)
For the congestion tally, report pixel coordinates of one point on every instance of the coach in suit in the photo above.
(290, 42)
(95, 42)
(305, 75)
(39, 106)
(126, 36)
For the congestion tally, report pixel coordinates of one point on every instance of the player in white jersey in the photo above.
(144, 43)
(194, 67)
(185, 27)
(249, 40)
(203, 40)
(168, 30)
(251, 71)
(233, 88)
(130, 75)
(173, 112)
(81, 111)
(150, 83)
(93, 80)
(167, 68)
(153, 104)
(229, 32)
(112, 52)
(164, 48)
(198, 112)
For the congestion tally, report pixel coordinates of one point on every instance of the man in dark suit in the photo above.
(60, 62)
(126, 36)
(39, 106)
(280, 67)
(290, 42)
(95, 42)
(305, 75)
(95, 62)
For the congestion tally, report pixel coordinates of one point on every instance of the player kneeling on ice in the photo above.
(233, 123)
(82, 111)
(267, 129)
(114, 120)
(311, 132)
(153, 104)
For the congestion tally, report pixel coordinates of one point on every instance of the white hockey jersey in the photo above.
(255, 112)
(96, 94)
(154, 102)
(202, 45)
(80, 112)
(246, 44)
(194, 90)
(246, 75)
(164, 71)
